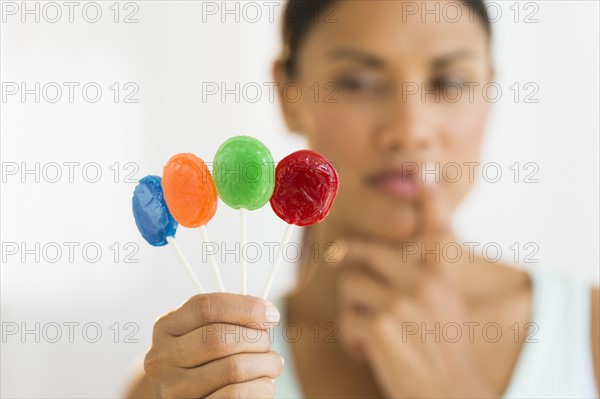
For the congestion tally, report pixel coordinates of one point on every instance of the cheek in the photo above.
(341, 137)
(463, 132)
(461, 137)
(346, 141)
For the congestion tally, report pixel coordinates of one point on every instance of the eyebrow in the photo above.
(375, 62)
(445, 60)
(357, 55)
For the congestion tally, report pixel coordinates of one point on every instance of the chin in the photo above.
(395, 230)
(394, 224)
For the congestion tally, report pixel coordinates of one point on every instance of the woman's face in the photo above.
(384, 98)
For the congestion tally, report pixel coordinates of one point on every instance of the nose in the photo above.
(405, 125)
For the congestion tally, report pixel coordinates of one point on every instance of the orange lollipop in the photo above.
(189, 189)
(191, 196)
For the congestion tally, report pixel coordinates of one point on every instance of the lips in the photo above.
(398, 183)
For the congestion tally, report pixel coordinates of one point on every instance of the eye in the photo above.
(353, 84)
(444, 82)
(350, 84)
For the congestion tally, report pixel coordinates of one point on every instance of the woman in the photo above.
(387, 311)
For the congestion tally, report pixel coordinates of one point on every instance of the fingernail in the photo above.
(430, 178)
(430, 181)
(273, 381)
(282, 360)
(272, 314)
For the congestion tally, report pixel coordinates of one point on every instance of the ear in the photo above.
(288, 109)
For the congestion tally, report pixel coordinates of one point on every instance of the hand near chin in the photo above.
(390, 297)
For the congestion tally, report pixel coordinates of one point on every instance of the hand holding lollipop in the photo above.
(305, 188)
(191, 196)
(154, 221)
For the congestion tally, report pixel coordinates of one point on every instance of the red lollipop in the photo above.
(305, 187)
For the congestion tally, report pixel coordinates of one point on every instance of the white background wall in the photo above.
(168, 54)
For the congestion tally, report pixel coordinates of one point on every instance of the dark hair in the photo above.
(300, 15)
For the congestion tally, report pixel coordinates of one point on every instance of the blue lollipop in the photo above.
(152, 217)
(154, 221)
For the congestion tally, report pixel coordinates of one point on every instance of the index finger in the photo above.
(203, 309)
(435, 210)
(436, 227)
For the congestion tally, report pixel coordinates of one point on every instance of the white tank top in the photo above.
(558, 365)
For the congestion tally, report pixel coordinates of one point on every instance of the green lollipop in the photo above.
(243, 171)
(244, 174)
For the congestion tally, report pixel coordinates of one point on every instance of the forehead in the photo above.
(394, 28)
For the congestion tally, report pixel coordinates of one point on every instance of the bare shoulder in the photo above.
(498, 292)
(140, 388)
(496, 282)
(596, 333)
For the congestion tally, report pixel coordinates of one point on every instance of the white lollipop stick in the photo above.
(186, 265)
(243, 268)
(212, 259)
(286, 238)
